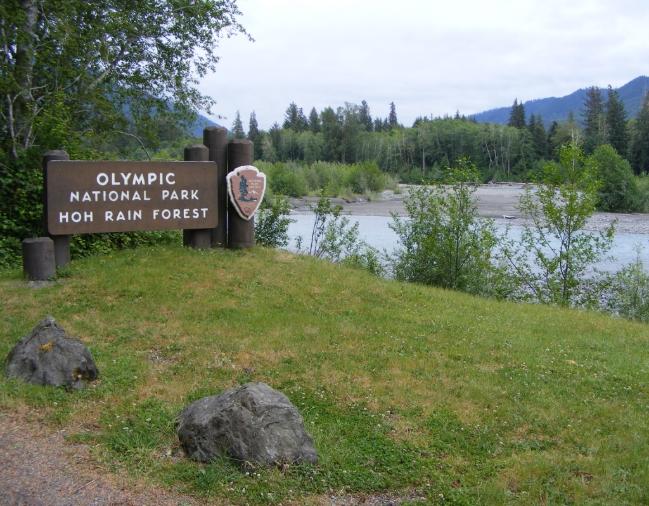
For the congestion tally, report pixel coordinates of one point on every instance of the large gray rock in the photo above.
(252, 424)
(49, 357)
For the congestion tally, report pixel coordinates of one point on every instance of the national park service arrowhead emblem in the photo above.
(246, 187)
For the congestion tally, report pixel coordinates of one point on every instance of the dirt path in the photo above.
(497, 201)
(40, 468)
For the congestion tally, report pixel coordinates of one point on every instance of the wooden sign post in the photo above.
(241, 232)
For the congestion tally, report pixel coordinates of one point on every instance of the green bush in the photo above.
(443, 241)
(619, 190)
(327, 178)
(284, 178)
(272, 222)
(629, 292)
(365, 177)
(554, 256)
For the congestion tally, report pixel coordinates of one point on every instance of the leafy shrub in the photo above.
(334, 239)
(619, 190)
(628, 294)
(329, 179)
(272, 222)
(285, 179)
(552, 262)
(365, 177)
(443, 242)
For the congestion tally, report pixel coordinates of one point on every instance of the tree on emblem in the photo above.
(243, 190)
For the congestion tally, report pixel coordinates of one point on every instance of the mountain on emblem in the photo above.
(246, 187)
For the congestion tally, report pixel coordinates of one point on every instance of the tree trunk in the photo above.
(24, 72)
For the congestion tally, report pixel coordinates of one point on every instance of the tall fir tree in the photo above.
(301, 124)
(275, 134)
(254, 135)
(594, 120)
(539, 136)
(640, 144)
(517, 115)
(618, 135)
(314, 121)
(392, 118)
(237, 127)
(364, 116)
(332, 135)
(291, 116)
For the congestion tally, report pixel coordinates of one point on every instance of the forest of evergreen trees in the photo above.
(422, 151)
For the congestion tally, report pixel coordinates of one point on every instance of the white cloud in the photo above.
(429, 57)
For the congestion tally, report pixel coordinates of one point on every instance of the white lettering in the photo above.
(63, 217)
(185, 213)
(102, 179)
(138, 179)
(74, 196)
(108, 216)
(171, 178)
(194, 194)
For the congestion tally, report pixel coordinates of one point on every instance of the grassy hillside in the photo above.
(422, 392)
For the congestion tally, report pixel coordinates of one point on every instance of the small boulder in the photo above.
(49, 357)
(252, 424)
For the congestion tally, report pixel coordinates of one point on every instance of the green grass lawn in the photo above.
(406, 389)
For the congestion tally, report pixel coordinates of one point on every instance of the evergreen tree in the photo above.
(332, 133)
(552, 132)
(254, 135)
(594, 120)
(301, 124)
(275, 134)
(517, 115)
(618, 136)
(291, 117)
(539, 136)
(378, 125)
(392, 118)
(640, 145)
(364, 116)
(314, 121)
(237, 127)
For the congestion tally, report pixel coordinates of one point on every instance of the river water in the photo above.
(376, 232)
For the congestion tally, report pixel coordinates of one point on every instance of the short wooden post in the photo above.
(61, 242)
(197, 238)
(38, 259)
(241, 233)
(216, 140)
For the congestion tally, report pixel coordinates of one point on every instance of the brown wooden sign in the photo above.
(89, 197)
(246, 187)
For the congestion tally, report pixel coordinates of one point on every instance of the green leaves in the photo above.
(553, 260)
(443, 242)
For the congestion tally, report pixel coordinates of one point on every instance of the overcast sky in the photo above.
(429, 57)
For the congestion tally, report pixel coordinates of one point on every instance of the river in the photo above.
(375, 231)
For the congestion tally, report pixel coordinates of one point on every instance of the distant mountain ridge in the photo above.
(196, 128)
(558, 108)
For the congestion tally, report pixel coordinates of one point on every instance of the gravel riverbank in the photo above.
(497, 201)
